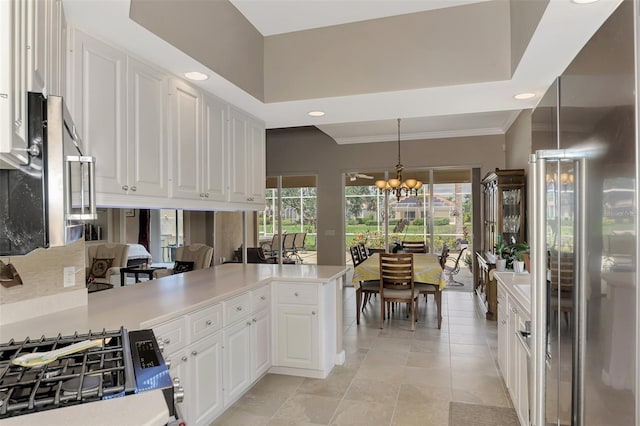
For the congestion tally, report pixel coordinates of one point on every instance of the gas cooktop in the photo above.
(91, 375)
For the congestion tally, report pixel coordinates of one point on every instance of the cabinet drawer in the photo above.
(260, 298)
(297, 294)
(173, 334)
(236, 308)
(205, 322)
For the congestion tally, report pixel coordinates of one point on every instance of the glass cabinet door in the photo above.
(511, 217)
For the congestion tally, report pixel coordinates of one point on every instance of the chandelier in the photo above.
(396, 186)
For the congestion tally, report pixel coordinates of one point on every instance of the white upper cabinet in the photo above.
(214, 149)
(247, 158)
(146, 130)
(32, 59)
(159, 138)
(257, 161)
(99, 109)
(119, 109)
(185, 115)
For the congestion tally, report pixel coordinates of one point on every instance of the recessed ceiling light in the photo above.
(195, 75)
(522, 96)
(316, 113)
(583, 1)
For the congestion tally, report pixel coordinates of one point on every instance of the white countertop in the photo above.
(165, 298)
(518, 285)
(141, 409)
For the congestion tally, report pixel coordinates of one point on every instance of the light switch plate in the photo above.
(69, 276)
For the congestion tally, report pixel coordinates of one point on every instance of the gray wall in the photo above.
(214, 32)
(518, 142)
(442, 47)
(306, 150)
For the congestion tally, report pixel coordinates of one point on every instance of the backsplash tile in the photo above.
(42, 272)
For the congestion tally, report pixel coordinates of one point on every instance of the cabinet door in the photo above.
(99, 106)
(522, 379)
(146, 139)
(298, 334)
(205, 380)
(38, 27)
(185, 141)
(257, 161)
(237, 360)
(260, 344)
(56, 49)
(239, 175)
(503, 340)
(13, 86)
(512, 324)
(214, 152)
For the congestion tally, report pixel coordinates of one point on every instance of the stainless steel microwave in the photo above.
(44, 203)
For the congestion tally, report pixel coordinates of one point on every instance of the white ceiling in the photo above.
(469, 109)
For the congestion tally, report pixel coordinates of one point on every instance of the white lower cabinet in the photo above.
(199, 367)
(513, 358)
(297, 344)
(205, 379)
(237, 360)
(304, 330)
(260, 344)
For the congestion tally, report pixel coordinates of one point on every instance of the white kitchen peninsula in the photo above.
(223, 328)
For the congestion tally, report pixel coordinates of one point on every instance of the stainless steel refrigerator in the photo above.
(583, 232)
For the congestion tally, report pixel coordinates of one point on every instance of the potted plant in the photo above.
(515, 256)
(500, 251)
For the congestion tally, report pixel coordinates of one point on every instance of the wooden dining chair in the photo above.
(396, 285)
(365, 288)
(414, 247)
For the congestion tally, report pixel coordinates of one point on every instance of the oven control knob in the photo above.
(178, 391)
(160, 345)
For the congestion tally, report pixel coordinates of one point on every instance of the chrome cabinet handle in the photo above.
(295, 294)
(263, 298)
(167, 341)
(125, 187)
(254, 320)
(184, 358)
(313, 312)
(202, 195)
(514, 310)
(133, 188)
(208, 322)
(194, 353)
(239, 308)
(206, 195)
(248, 323)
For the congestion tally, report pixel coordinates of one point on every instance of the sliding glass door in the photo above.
(291, 210)
(441, 213)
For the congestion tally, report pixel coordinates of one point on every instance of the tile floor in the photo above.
(391, 376)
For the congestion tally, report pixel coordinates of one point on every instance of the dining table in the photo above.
(426, 270)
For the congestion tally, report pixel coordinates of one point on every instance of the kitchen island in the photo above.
(222, 328)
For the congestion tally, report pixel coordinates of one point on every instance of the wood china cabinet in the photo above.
(503, 219)
(503, 205)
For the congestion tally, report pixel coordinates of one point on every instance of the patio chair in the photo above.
(289, 248)
(272, 249)
(453, 270)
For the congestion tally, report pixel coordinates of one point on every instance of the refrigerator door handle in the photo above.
(579, 294)
(537, 235)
